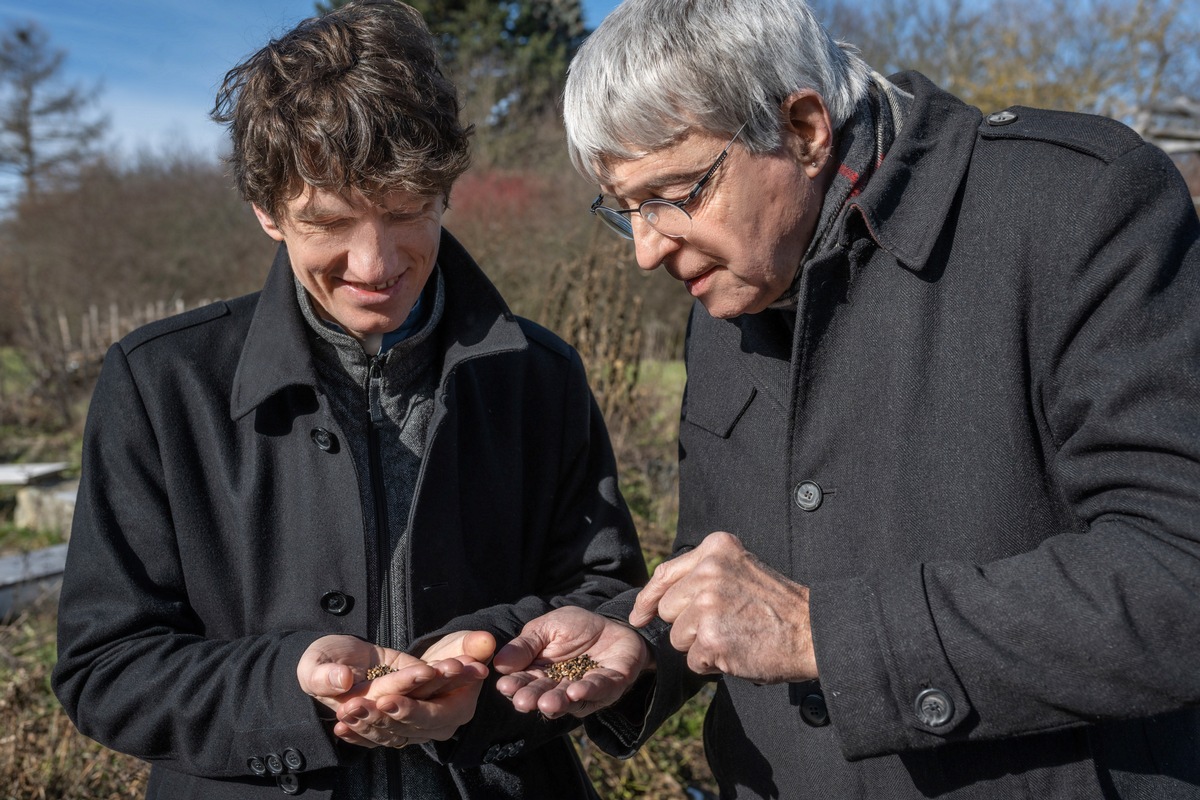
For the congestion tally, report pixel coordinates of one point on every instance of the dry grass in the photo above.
(42, 756)
(670, 764)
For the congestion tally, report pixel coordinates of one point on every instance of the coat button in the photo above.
(293, 760)
(808, 496)
(274, 764)
(290, 784)
(337, 603)
(256, 765)
(1001, 118)
(324, 440)
(934, 708)
(813, 710)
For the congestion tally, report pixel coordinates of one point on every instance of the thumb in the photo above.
(479, 645)
(519, 653)
(329, 680)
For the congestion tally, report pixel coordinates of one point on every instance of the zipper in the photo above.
(379, 496)
(383, 545)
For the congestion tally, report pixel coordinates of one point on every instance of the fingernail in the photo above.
(389, 708)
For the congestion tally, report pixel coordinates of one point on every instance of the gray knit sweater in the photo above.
(383, 404)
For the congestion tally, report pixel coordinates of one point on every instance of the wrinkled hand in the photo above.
(565, 633)
(731, 613)
(419, 702)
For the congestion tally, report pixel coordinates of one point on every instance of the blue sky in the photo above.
(158, 62)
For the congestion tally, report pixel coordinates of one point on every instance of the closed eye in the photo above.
(323, 225)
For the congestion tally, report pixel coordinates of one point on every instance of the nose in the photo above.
(374, 253)
(650, 246)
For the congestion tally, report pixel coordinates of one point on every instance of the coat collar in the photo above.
(276, 355)
(906, 203)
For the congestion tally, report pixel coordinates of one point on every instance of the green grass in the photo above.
(15, 374)
(667, 375)
(664, 382)
(23, 540)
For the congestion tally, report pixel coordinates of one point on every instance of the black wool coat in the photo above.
(979, 444)
(218, 532)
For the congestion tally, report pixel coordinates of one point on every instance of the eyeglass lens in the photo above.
(665, 217)
(618, 223)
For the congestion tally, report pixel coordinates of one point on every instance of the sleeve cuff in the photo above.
(884, 673)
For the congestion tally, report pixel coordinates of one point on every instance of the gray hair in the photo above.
(656, 69)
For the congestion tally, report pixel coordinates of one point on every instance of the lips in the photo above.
(370, 292)
(375, 287)
(696, 285)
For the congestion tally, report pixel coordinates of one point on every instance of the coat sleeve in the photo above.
(135, 669)
(1101, 622)
(590, 554)
(621, 729)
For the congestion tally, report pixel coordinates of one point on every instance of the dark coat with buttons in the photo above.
(979, 444)
(218, 532)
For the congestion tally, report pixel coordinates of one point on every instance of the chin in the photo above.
(728, 310)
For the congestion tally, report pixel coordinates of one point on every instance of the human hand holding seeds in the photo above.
(571, 661)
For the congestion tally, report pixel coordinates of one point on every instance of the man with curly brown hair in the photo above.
(307, 515)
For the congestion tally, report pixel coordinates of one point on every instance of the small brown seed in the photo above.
(378, 671)
(572, 669)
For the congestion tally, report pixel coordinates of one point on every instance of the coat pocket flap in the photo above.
(718, 409)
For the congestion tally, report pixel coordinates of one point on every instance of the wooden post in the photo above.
(65, 329)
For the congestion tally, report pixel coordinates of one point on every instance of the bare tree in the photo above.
(1110, 57)
(47, 129)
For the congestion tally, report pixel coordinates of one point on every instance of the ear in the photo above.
(806, 119)
(267, 223)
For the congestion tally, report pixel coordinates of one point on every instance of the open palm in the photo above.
(563, 634)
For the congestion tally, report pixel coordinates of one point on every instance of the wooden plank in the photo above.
(25, 474)
(27, 577)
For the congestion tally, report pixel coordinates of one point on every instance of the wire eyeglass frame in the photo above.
(669, 217)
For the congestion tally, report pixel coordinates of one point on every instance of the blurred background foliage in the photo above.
(92, 244)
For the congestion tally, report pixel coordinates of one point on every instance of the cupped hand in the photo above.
(334, 668)
(412, 706)
(563, 634)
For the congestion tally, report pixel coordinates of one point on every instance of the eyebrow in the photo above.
(314, 212)
(656, 184)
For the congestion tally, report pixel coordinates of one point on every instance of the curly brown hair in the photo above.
(354, 100)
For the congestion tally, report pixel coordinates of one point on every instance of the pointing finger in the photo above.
(666, 575)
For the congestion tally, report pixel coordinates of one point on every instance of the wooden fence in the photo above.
(59, 356)
(86, 342)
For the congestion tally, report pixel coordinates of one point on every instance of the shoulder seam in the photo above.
(188, 319)
(546, 338)
(1109, 139)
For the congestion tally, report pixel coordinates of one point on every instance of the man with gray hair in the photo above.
(939, 528)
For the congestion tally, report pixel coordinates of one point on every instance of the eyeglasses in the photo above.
(668, 217)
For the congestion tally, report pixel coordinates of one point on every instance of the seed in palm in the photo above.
(572, 669)
(378, 671)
